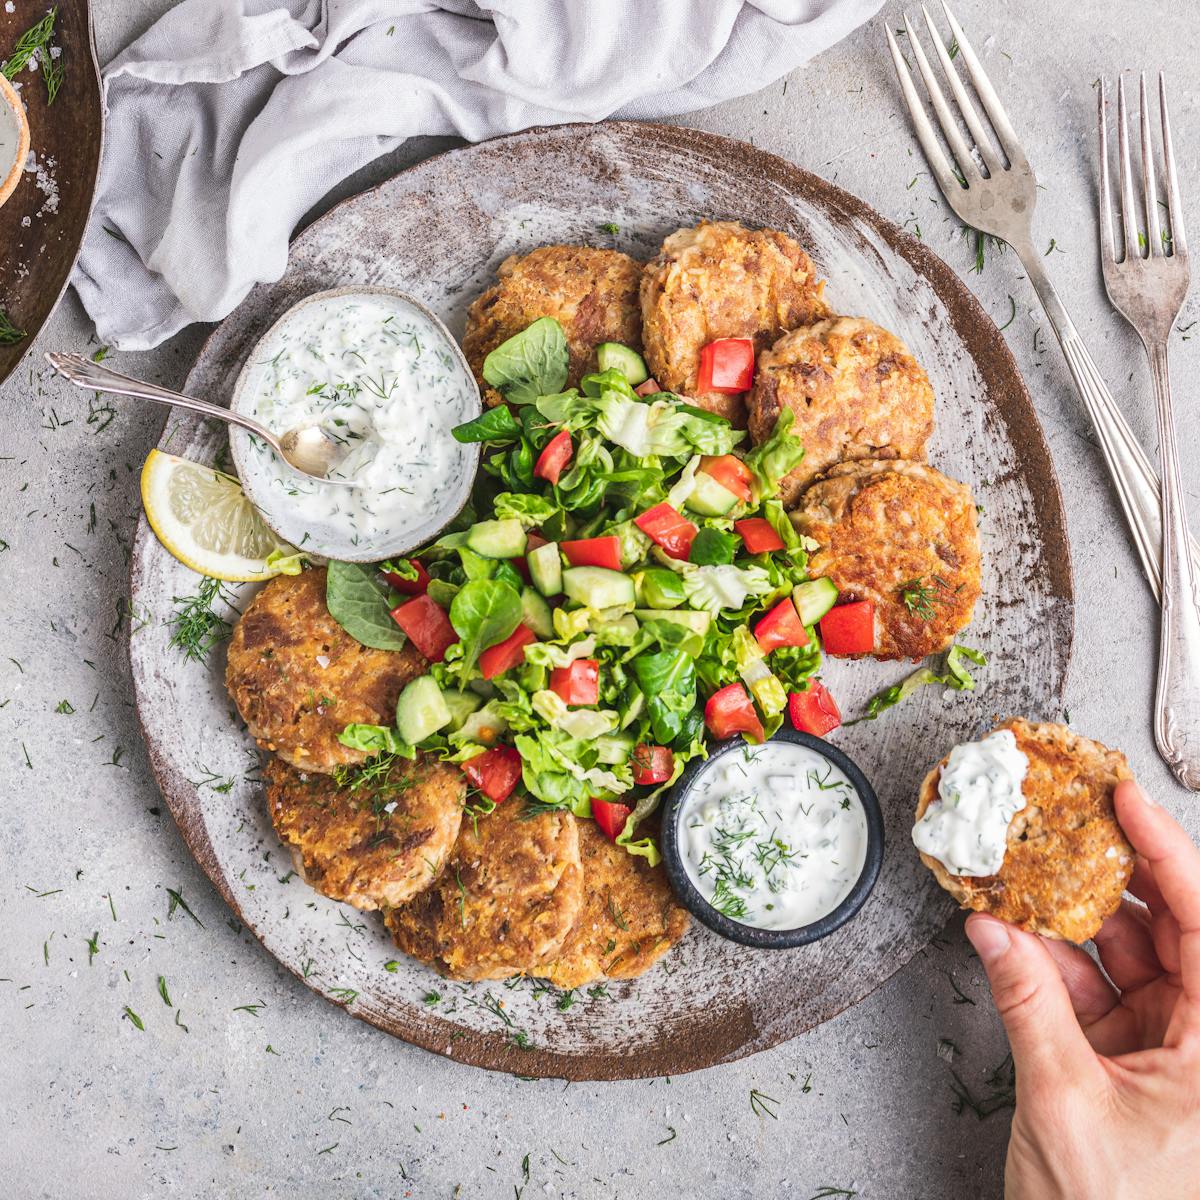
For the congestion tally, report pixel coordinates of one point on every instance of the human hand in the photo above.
(1108, 1073)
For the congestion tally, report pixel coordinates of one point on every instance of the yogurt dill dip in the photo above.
(979, 793)
(378, 374)
(773, 836)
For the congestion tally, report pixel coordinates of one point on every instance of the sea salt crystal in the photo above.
(390, 808)
(9, 6)
(322, 661)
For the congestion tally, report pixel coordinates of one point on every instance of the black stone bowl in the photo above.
(749, 935)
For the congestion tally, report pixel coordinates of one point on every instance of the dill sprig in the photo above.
(196, 628)
(919, 597)
(9, 333)
(35, 43)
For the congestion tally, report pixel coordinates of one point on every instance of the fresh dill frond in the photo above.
(34, 44)
(10, 335)
(919, 597)
(196, 628)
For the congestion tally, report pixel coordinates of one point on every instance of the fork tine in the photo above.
(1005, 133)
(1150, 188)
(949, 126)
(939, 164)
(982, 142)
(1174, 204)
(1106, 229)
(1128, 209)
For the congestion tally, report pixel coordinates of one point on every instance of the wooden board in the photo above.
(439, 231)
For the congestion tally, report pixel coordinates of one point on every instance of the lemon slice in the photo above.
(203, 517)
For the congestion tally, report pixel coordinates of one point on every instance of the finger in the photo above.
(1142, 886)
(1092, 996)
(1126, 946)
(1047, 1041)
(1175, 864)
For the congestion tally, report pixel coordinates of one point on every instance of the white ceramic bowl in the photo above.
(323, 542)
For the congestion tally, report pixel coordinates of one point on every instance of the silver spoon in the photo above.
(307, 448)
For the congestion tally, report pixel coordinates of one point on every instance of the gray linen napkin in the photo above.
(229, 119)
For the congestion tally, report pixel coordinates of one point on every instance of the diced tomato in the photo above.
(781, 627)
(726, 365)
(611, 817)
(427, 626)
(648, 388)
(652, 764)
(814, 711)
(849, 628)
(758, 535)
(497, 659)
(669, 528)
(409, 587)
(594, 552)
(533, 540)
(578, 683)
(731, 711)
(730, 472)
(554, 457)
(495, 772)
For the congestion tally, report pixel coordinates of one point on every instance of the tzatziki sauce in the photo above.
(979, 792)
(377, 374)
(773, 836)
(10, 138)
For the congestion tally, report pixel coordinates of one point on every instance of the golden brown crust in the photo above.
(592, 293)
(630, 916)
(505, 904)
(1067, 861)
(721, 280)
(298, 678)
(893, 529)
(350, 847)
(855, 390)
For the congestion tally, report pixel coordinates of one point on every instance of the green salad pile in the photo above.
(559, 628)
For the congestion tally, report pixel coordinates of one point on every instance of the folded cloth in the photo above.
(229, 119)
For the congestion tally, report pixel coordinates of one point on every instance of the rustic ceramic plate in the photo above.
(438, 232)
(42, 223)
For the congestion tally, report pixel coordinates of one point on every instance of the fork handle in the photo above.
(1177, 698)
(1138, 489)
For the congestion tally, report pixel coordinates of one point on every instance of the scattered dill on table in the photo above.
(196, 628)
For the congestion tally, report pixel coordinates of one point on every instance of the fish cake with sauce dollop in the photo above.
(1066, 861)
(375, 840)
(592, 293)
(904, 536)
(855, 390)
(506, 902)
(298, 678)
(722, 280)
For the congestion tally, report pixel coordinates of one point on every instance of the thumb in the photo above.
(1032, 1000)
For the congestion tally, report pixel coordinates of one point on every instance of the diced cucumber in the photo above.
(598, 587)
(693, 619)
(461, 706)
(421, 710)
(545, 569)
(612, 356)
(497, 539)
(814, 599)
(613, 748)
(484, 726)
(659, 588)
(710, 498)
(535, 613)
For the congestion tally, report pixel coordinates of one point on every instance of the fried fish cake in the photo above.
(298, 678)
(903, 536)
(630, 916)
(855, 390)
(1067, 861)
(375, 841)
(592, 293)
(506, 902)
(722, 280)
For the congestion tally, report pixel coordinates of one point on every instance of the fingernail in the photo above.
(990, 938)
(1131, 785)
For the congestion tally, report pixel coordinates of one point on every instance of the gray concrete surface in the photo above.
(297, 1099)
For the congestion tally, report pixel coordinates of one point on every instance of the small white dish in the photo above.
(282, 497)
(14, 139)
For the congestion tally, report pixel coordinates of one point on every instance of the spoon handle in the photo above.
(87, 374)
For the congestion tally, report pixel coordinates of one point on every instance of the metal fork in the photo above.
(1149, 289)
(1000, 203)
(994, 189)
